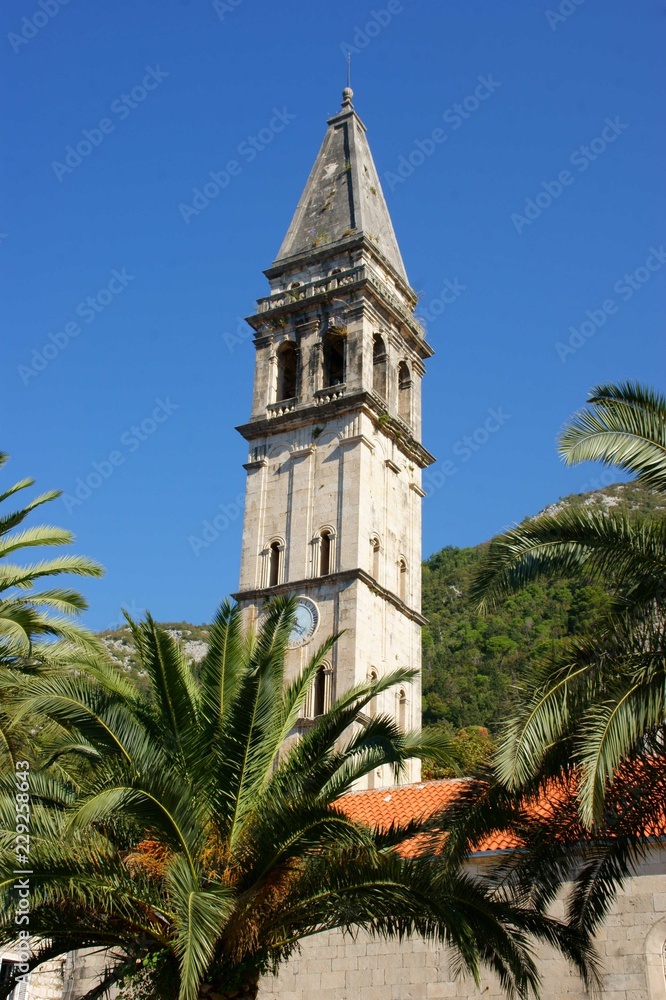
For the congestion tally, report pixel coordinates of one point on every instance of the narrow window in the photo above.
(404, 392)
(334, 359)
(287, 359)
(402, 580)
(401, 713)
(379, 366)
(375, 558)
(319, 700)
(325, 553)
(274, 564)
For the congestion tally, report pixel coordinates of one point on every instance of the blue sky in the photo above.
(122, 354)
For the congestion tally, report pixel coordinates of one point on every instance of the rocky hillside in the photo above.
(193, 639)
(472, 665)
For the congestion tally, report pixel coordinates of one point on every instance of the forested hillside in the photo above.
(473, 665)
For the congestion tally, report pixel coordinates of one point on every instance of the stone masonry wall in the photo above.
(334, 967)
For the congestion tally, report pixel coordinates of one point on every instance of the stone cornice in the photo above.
(346, 576)
(357, 277)
(368, 402)
(355, 241)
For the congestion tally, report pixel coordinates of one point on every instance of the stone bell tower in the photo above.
(332, 510)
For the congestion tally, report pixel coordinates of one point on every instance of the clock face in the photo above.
(305, 624)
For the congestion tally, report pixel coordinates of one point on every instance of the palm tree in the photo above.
(36, 625)
(28, 617)
(205, 842)
(594, 707)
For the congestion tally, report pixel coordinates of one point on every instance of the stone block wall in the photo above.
(335, 967)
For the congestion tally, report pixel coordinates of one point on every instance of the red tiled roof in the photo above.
(384, 806)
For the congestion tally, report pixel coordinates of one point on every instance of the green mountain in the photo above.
(474, 666)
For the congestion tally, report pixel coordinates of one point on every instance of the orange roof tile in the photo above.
(382, 807)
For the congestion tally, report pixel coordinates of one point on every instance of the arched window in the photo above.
(379, 365)
(319, 699)
(401, 709)
(325, 543)
(376, 549)
(287, 369)
(404, 392)
(402, 580)
(319, 696)
(334, 359)
(274, 560)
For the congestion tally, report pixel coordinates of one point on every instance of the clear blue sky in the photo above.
(159, 333)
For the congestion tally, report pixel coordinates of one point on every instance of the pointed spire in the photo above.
(343, 196)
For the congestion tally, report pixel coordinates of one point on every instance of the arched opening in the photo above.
(379, 365)
(401, 709)
(655, 963)
(376, 549)
(402, 580)
(319, 693)
(404, 392)
(274, 558)
(325, 552)
(287, 363)
(334, 359)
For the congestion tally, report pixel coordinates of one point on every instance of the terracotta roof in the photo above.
(384, 806)
(398, 805)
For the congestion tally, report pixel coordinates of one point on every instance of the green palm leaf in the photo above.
(625, 427)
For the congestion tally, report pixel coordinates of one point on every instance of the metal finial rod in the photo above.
(349, 70)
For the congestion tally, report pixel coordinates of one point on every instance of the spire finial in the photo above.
(348, 93)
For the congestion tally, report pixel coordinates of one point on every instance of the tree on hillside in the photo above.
(199, 849)
(602, 699)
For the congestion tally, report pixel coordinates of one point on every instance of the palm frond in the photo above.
(625, 426)
(199, 917)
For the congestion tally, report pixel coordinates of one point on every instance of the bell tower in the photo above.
(333, 497)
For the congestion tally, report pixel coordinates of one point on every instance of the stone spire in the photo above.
(342, 197)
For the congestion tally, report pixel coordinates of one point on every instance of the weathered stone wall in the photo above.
(47, 982)
(333, 967)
